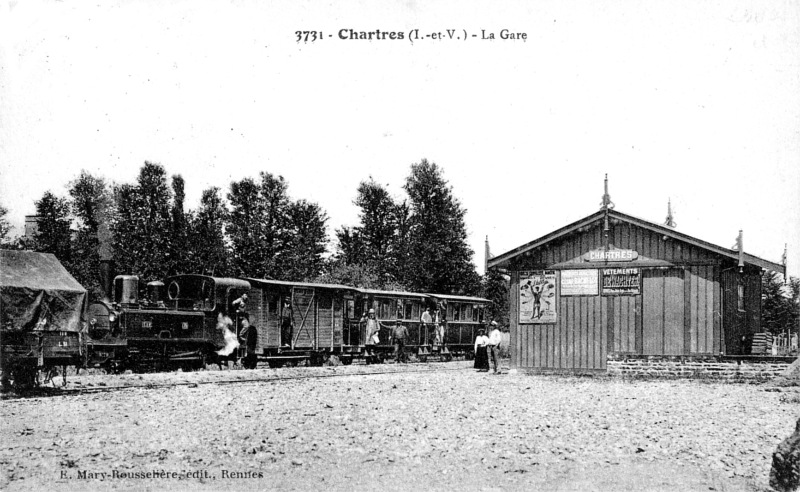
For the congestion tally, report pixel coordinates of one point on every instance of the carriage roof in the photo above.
(310, 285)
(449, 297)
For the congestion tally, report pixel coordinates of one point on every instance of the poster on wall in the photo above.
(537, 297)
(579, 282)
(621, 281)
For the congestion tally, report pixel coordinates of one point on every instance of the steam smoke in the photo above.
(231, 343)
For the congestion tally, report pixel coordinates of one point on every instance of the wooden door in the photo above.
(663, 312)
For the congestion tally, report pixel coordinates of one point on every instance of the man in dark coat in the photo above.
(399, 335)
(248, 337)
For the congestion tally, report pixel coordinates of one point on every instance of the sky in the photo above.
(696, 102)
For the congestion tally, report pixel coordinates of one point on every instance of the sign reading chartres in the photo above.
(579, 282)
(618, 281)
(611, 255)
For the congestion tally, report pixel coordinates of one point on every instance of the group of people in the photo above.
(488, 348)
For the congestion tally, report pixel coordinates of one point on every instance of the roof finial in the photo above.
(670, 218)
(606, 204)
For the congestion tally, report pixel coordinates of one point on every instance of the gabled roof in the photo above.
(503, 259)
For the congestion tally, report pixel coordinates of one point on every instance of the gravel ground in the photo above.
(429, 427)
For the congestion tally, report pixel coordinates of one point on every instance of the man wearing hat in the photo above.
(372, 328)
(495, 338)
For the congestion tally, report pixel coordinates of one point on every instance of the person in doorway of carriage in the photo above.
(248, 336)
(481, 357)
(494, 346)
(371, 328)
(286, 324)
(425, 324)
(399, 336)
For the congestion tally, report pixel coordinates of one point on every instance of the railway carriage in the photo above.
(302, 321)
(42, 316)
(463, 316)
(394, 308)
(456, 318)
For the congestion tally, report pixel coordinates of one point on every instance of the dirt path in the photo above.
(431, 430)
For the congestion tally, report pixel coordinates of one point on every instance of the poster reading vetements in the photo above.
(618, 281)
(537, 296)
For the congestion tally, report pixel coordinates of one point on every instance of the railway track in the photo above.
(256, 376)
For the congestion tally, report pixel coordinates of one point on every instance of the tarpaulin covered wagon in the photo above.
(42, 315)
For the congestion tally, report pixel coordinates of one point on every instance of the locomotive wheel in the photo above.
(346, 361)
(423, 358)
(448, 357)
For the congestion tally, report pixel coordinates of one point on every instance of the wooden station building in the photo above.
(612, 284)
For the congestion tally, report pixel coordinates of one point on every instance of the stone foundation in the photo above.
(749, 368)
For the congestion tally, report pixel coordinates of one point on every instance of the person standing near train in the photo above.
(371, 328)
(248, 336)
(481, 357)
(399, 336)
(495, 337)
(286, 324)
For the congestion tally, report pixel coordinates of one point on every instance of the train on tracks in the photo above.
(183, 322)
(190, 321)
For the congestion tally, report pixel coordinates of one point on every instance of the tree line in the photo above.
(254, 228)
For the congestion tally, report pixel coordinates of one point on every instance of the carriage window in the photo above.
(273, 305)
(467, 312)
(740, 298)
(324, 302)
(456, 312)
(350, 307)
(409, 311)
(475, 314)
(387, 309)
(450, 312)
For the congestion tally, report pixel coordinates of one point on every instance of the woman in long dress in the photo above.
(481, 355)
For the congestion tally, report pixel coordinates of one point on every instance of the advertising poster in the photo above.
(621, 281)
(579, 282)
(537, 296)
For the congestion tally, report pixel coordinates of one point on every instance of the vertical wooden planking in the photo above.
(674, 307)
(570, 332)
(688, 307)
(611, 326)
(716, 345)
(709, 310)
(633, 313)
(653, 311)
(567, 333)
(584, 328)
(616, 310)
(699, 325)
(562, 359)
(596, 337)
(696, 342)
(639, 338)
(602, 346)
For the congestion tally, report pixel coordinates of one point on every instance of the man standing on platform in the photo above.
(495, 337)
